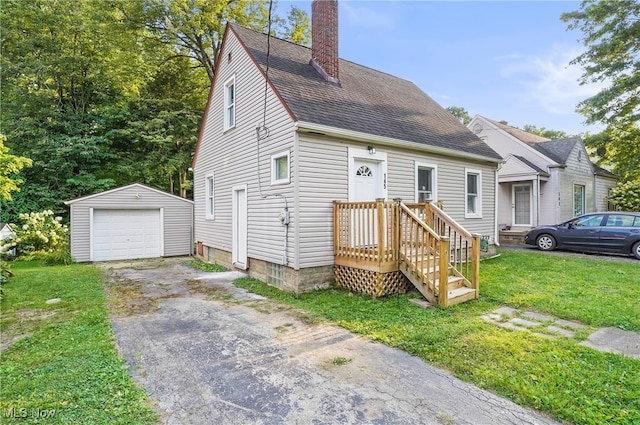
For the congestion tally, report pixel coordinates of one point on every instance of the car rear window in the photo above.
(637, 222)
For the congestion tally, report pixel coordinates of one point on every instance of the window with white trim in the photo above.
(209, 196)
(579, 199)
(230, 103)
(280, 168)
(425, 183)
(473, 193)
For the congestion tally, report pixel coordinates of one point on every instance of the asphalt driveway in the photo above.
(211, 353)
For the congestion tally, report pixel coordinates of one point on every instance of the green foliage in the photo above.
(299, 29)
(207, 267)
(102, 93)
(65, 359)
(611, 34)
(618, 148)
(40, 232)
(559, 376)
(626, 196)
(460, 113)
(545, 132)
(9, 166)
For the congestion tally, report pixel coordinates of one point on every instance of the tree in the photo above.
(299, 28)
(64, 63)
(9, 166)
(618, 149)
(611, 33)
(460, 113)
(544, 132)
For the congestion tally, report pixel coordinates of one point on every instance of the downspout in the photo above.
(595, 202)
(495, 209)
(538, 198)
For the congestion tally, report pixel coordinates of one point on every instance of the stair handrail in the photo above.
(464, 245)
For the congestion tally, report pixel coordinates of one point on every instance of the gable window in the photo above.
(425, 183)
(280, 168)
(473, 192)
(230, 103)
(578, 199)
(209, 198)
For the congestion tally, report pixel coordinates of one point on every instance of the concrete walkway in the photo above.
(209, 352)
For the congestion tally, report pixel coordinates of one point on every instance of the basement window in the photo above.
(275, 275)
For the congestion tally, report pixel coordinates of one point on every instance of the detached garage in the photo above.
(130, 222)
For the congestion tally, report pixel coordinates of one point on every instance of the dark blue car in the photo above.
(615, 232)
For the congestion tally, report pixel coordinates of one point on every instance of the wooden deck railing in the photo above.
(365, 235)
(377, 235)
(464, 246)
(423, 250)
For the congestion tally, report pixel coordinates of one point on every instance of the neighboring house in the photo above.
(279, 144)
(542, 181)
(129, 222)
(6, 232)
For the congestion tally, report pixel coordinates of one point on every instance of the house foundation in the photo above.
(278, 275)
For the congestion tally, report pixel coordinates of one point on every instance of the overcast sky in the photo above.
(505, 60)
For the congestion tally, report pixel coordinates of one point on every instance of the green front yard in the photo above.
(558, 376)
(68, 364)
(66, 369)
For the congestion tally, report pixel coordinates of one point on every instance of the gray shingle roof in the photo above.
(532, 165)
(558, 150)
(517, 133)
(602, 171)
(366, 100)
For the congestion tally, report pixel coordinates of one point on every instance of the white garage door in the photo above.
(126, 234)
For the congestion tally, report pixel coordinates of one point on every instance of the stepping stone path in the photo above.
(611, 340)
(540, 324)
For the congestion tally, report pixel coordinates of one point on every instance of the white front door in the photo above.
(239, 236)
(521, 204)
(367, 180)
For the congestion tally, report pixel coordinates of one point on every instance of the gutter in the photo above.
(311, 128)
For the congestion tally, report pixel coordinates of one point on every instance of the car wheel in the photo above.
(546, 242)
(636, 250)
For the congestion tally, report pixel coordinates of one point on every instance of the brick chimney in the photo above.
(324, 42)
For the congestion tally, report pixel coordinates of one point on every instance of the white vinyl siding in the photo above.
(320, 157)
(238, 158)
(473, 193)
(230, 103)
(280, 168)
(209, 204)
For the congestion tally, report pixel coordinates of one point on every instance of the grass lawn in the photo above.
(568, 381)
(67, 369)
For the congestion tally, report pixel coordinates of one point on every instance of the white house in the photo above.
(542, 181)
(289, 129)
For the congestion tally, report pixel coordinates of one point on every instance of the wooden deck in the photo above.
(377, 243)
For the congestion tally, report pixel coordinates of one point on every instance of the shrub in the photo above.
(42, 237)
(5, 274)
(626, 196)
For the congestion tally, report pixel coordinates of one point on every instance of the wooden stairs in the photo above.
(375, 243)
(457, 287)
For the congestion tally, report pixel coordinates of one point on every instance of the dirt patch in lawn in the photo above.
(18, 324)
